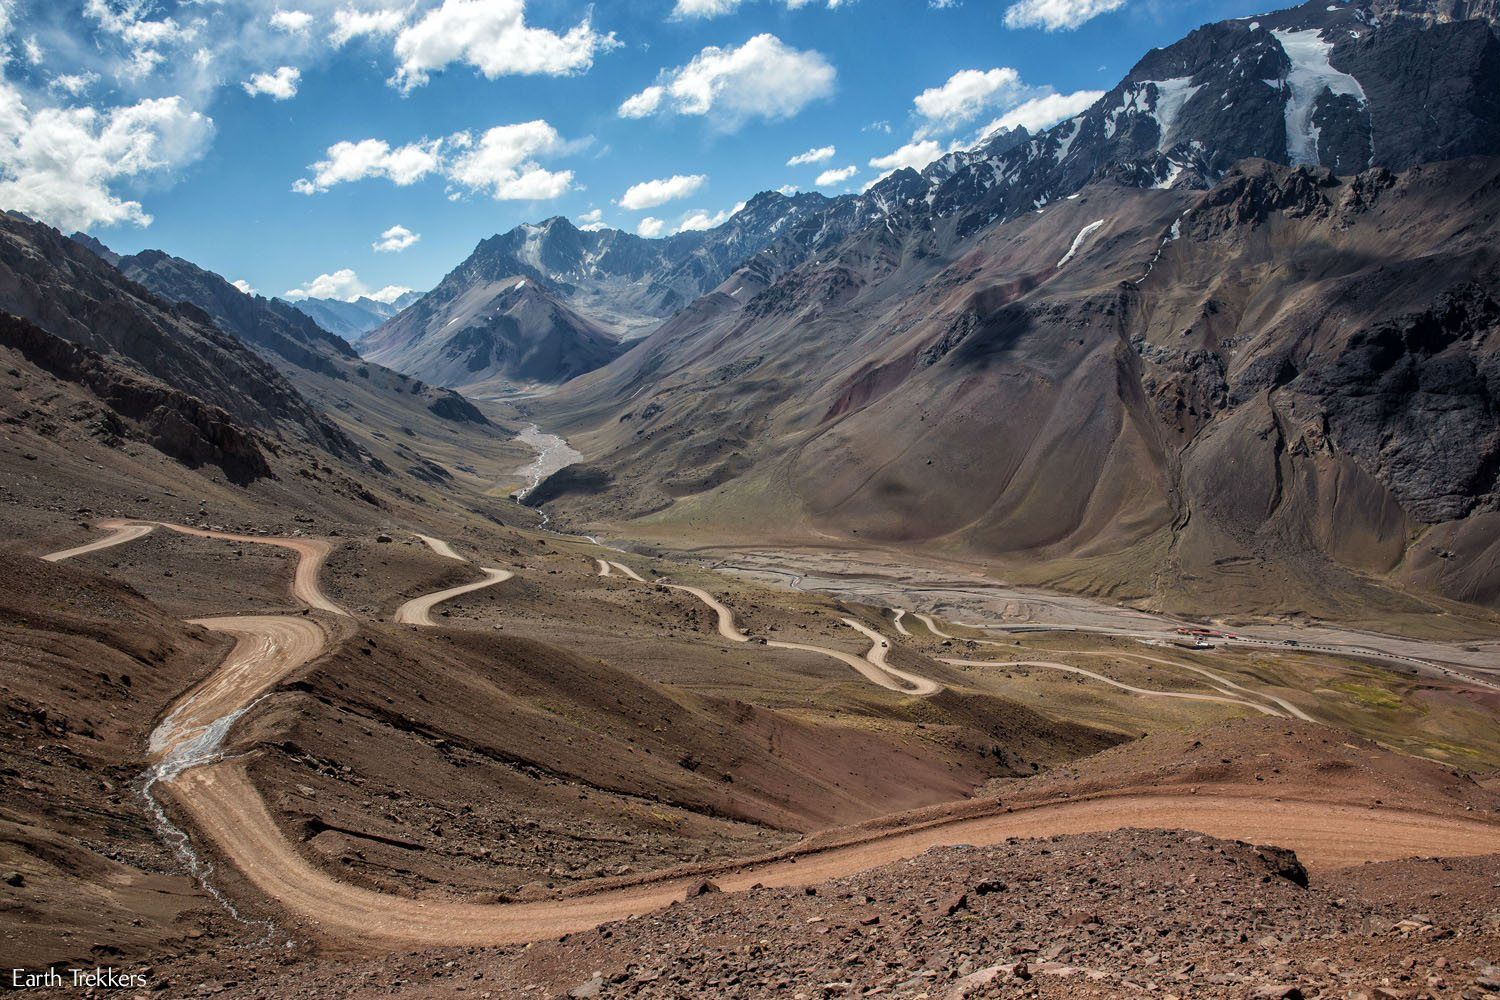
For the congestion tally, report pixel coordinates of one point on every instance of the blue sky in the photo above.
(212, 129)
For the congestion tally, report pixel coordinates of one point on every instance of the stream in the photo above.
(553, 453)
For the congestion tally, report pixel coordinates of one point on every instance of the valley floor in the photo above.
(830, 750)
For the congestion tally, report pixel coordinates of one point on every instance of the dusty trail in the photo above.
(871, 578)
(311, 553)
(439, 546)
(418, 610)
(1221, 682)
(932, 626)
(873, 670)
(879, 648)
(898, 622)
(225, 805)
(267, 649)
(119, 534)
(727, 628)
(604, 569)
(1145, 692)
(628, 571)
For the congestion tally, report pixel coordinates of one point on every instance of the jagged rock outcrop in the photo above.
(178, 425)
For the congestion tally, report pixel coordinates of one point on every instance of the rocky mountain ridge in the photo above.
(1071, 349)
(1344, 86)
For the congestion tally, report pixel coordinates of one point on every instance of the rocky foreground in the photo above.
(1137, 911)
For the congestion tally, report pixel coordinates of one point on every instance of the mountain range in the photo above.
(1222, 341)
(303, 702)
(1171, 350)
(354, 318)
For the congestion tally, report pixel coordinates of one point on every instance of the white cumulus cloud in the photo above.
(244, 286)
(763, 78)
(279, 85)
(342, 284)
(819, 155)
(350, 23)
(74, 84)
(591, 221)
(502, 163)
(345, 286)
(828, 178)
(700, 219)
(395, 239)
(649, 194)
(388, 293)
(293, 22)
(649, 227)
(493, 37)
(690, 9)
(345, 162)
(915, 154)
(61, 165)
(643, 104)
(966, 95)
(1057, 15)
(1042, 112)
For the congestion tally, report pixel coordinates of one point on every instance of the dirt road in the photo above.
(440, 547)
(268, 648)
(1144, 692)
(880, 647)
(119, 534)
(899, 621)
(876, 671)
(1218, 680)
(727, 628)
(225, 805)
(418, 610)
(311, 553)
(932, 626)
(628, 572)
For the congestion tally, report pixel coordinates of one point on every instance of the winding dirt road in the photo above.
(311, 554)
(439, 546)
(628, 572)
(1220, 681)
(1144, 692)
(267, 649)
(418, 610)
(932, 626)
(880, 647)
(899, 621)
(727, 628)
(871, 666)
(225, 805)
(226, 808)
(118, 535)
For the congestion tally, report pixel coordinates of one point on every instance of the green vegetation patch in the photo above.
(1370, 695)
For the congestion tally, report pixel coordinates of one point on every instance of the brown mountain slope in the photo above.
(477, 334)
(428, 432)
(69, 292)
(1220, 400)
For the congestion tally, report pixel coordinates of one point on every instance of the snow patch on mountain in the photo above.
(1309, 78)
(1171, 95)
(1083, 234)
